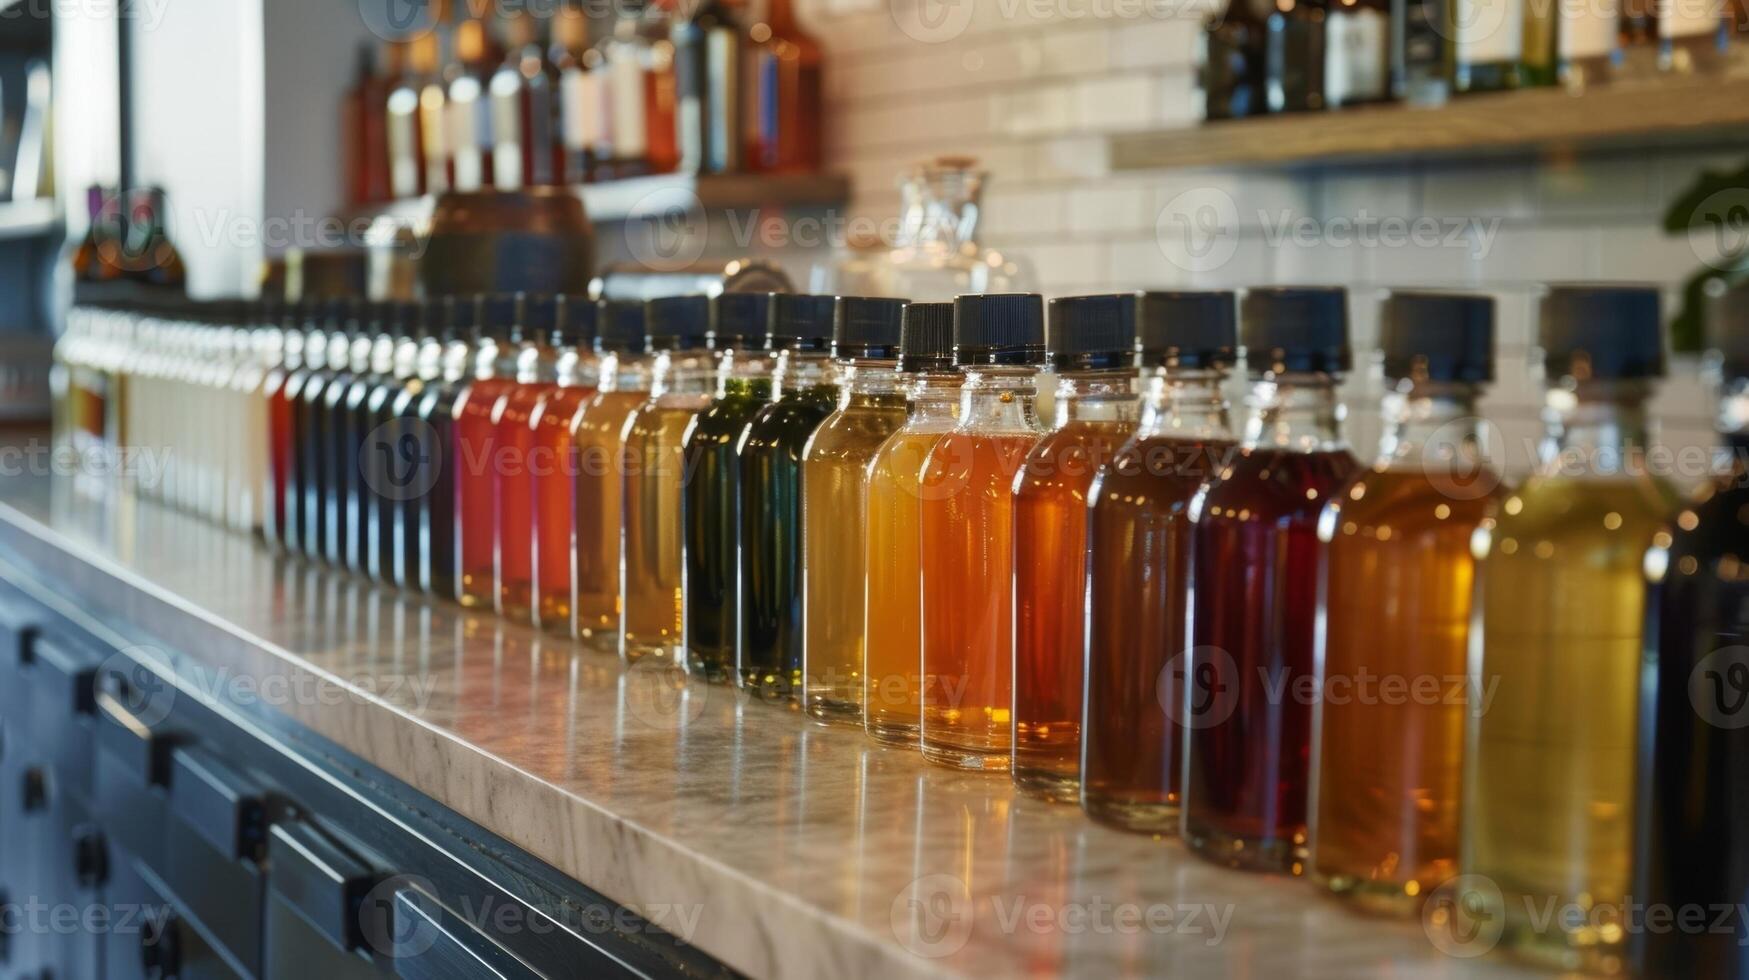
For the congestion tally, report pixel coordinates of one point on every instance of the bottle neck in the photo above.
(801, 370)
(682, 373)
(625, 372)
(458, 360)
(1295, 412)
(934, 397)
(1096, 396)
(743, 370)
(428, 359)
(578, 367)
(1000, 398)
(1597, 428)
(537, 364)
(1186, 404)
(868, 383)
(1733, 420)
(1431, 423)
(485, 358)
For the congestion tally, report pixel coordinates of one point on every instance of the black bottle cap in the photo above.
(1601, 332)
(461, 317)
(679, 322)
(1193, 329)
(800, 321)
(540, 315)
(1296, 329)
(998, 328)
(619, 327)
(1091, 333)
(926, 338)
(742, 321)
(339, 313)
(575, 321)
(867, 326)
(1437, 336)
(498, 316)
(407, 318)
(269, 311)
(377, 317)
(1728, 325)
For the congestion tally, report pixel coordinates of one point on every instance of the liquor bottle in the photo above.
(626, 59)
(513, 163)
(598, 431)
(1293, 59)
(661, 96)
(543, 149)
(1485, 40)
(537, 377)
(429, 52)
(1138, 571)
(1233, 62)
(1247, 738)
(577, 101)
(476, 451)
(406, 144)
(428, 528)
(966, 521)
(367, 129)
(392, 451)
(1570, 43)
(1691, 36)
(1357, 52)
(1092, 340)
(554, 459)
(708, 53)
(893, 671)
(469, 104)
(1397, 590)
(785, 70)
(279, 513)
(835, 462)
(681, 380)
(92, 261)
(349, 353)
(151, 258)
(356, 422)
(306, 391)
(1549, 815)
(1694, 745)
(768, 655)
(710, 508)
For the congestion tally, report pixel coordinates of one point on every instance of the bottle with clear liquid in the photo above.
(1138, 570)
(835, 461)
(1549, 818)
(537, 377)
(710, 509)
(468, 105)
(1248, 736)
(1092, 340)
(652, 606)
(476, 451)
(553, 459)
(967, 533)
(1397, 594)
(893, 666)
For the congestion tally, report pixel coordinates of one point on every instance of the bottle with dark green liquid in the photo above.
(710, 513)
(769, 652)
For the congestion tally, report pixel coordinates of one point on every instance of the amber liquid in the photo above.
(476, 490)
(516, 499)
(1050, 591)
(967, 548)
(553, 459)
(597, 433)
(711, 519)
(656, 467)
(1138, 595)
(834, 503)
(1398, 595)
(1255, 581)
(893, 669)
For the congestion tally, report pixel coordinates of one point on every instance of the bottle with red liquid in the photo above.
(476, 452)
(1138, 571)
(553, 459)
(427, 525)
(1248, 720)
(366, 121)
(537, 376)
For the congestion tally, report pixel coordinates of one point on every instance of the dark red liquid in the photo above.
(280, 509)
(476, 498)
(516, 483)
(1256, 605)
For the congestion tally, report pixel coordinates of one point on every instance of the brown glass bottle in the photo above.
(366, 137)
(785, 71)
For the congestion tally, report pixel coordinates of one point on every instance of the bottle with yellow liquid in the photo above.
(1397, 593)
(681, 379)
(1549, 819)
(892, 693)
(871, 406)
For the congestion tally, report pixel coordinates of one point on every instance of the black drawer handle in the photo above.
(219, 804)
(320, 881)
(142, 752)
(68, 673)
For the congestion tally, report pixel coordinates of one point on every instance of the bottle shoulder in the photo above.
(1276, 482)
(858, 431)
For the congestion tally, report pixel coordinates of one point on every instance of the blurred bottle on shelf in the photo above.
(90, 264)
(578, 103)
(427, 53)
(1232, 70)
(641, 91)
(1357, 52)
(1572, 43)
(526, 151)
(405, 144)
(1673, 36)
(469, 110)
(365, 122)
(786, 85)
(146, 250)
(1293, 59)
(709, 50)
(1488, 43)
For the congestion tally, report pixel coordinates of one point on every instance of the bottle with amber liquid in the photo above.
(1397, 591)
(427, 526)
(389, 464)
(835, 461)
(476, 452)
(1549, 818)
(598, 432)
(1248, 733)
(710, 501)
(537, 376)
(966, 523)
(652, 608)
(1694, 714)
(785, 72)
(768, 654)
(1092, 340)
(553, 459)
(893, 666)
(1138, 569)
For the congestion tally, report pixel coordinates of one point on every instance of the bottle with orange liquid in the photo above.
(871, 406)
(1397, 594)
(598, 432)
(553, 459)
(967, 533)
(1248, 735)
(476, 453)
(893, 669)
(1092, 340)
(537, 376)
(681, 379)
(1140, 536)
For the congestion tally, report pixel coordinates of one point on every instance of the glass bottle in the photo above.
(835, 462)
(469, 105)
(151, 257)
(966, 545)
(350, 353)
(512, 161)
(1549, 813)
(1232, 67)
(554, 460)
(660, 95)
(1397, 590)
(430, 530)
(1092, 340)
(381, 464)
(406, 145)
(537, 377)
(280, 516)
(576, 100)
(476, 451)
(1293, 61)
(598, 432)
(305, 391)
(708, 52)
(710, 514)
(405, 455)
(1487, 41)
(785, 69)
(428, 54)
(1694, 740)
(1138, 571)
(768, 654)
(1570, 42)
(366, 133)
(652, 606)
(1247, 740)
(625, 57)
(1357, 52)
(356, 422)
(893, 669)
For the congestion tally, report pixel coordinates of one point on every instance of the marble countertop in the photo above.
(781, 847)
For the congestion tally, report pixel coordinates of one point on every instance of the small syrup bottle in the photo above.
(476, 451)
(537, 376)
(554, 459)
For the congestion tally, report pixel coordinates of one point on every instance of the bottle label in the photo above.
(1587, 28)
(629, 139)
(1356, 55)
(403, 110)
(723, 90)
(576, 104)
(506, 133)
(1688, 18)
(1489, 31)
(464, 144)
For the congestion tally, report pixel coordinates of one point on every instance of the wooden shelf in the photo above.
(1678, 109)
